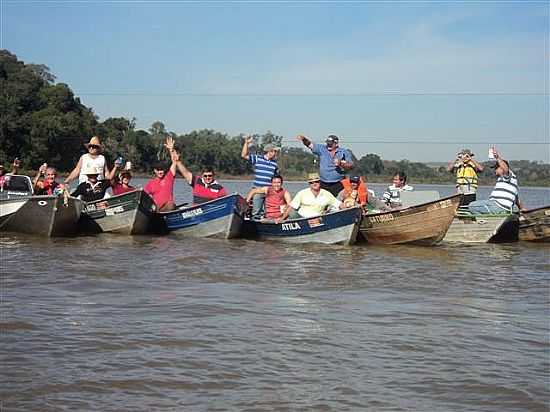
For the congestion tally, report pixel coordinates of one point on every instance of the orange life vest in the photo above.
(361, 190)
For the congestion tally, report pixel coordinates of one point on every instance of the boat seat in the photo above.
(417, 197)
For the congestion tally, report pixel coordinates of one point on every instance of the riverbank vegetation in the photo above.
(43, 121)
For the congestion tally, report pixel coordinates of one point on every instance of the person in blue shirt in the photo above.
(265, 167)
(334, 162)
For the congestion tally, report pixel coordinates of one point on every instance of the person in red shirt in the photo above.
(161, 187)
(47, 186)
(122, 184)
(277, 198)
(205, 187)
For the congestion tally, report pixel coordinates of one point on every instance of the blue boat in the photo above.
(339, 227)
(221, 217)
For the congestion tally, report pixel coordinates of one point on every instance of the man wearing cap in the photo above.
(465, 168)
(505, 194)
(92, 159)
(334, 161)
(93, 188)
(265, 167)
(312, 201)
(354, 192)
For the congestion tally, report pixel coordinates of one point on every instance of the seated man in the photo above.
(354, 192)
(277, 198)
(505, 195)
(92, 189)
(47, 186)
(312, 201)
(392, 195)
(205, 187)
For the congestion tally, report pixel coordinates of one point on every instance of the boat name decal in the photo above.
(290, 226)
(440, 205)
(192, 213)
(114, 210)
(381, 218)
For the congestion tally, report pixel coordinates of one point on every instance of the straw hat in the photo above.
(94, 141)
(313, 177)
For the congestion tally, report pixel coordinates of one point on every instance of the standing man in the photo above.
(92, 159)
(265, 167)
(465, 168)
(334, 161)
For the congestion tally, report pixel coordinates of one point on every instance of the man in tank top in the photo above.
(277, 198)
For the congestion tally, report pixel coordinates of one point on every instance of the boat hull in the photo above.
(40, 215)
(424, 224)
(128, 214)
(221, 217)
(333, 228)
(534, 225)
(483, 228)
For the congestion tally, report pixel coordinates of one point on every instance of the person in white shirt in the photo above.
(392, 195)
(92, 159)
(312, 201)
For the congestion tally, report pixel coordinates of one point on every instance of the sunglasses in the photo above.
(316, 181)
(207, 176)
(93, 146)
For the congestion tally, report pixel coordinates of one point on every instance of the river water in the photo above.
(147, 323)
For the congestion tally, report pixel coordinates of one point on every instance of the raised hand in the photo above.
(249, 139)
(169, 144)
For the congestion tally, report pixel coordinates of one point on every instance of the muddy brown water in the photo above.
(114, 323)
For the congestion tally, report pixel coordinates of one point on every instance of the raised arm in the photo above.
(453, 164)
(41, 171)
(305, 141)
(110, 175)
(245, 151)
(15, 166)
(76, 171)
(501, 162)
(187, 175)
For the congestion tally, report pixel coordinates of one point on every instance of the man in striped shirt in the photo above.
(265, 167)
(505, 194)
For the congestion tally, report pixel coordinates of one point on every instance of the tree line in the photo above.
(43, 121)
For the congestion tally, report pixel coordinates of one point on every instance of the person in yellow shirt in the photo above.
(465, 168)
(312, 201)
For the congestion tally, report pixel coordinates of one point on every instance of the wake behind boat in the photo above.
(423, 224)
(339, 227)
(222, 217)
(21, 211)
(129, 213)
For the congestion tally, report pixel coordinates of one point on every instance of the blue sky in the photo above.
(385, 76)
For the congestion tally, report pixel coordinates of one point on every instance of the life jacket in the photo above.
(466, 176)
(362, 190)
(203, 193)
